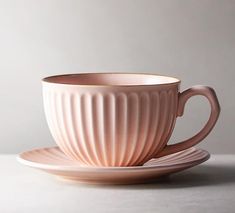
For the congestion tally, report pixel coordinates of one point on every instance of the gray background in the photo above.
(190, 39)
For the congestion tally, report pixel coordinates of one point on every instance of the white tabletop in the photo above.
(209, 187)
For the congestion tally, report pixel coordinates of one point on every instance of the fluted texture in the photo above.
(53, 156)
(111, 129)
(54, 161)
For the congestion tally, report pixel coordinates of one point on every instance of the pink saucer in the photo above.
(54, 161)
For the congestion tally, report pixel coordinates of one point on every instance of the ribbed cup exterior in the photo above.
(110, 126)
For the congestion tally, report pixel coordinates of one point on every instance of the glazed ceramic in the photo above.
(54, 161)
(119, 119)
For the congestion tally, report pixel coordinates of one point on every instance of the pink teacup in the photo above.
(119, 119)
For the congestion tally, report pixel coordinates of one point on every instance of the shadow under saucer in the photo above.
(203, 175)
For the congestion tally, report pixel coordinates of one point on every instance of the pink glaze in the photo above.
(118, 119)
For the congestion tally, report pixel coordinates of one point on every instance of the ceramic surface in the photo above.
(54, 161)
(119, 119)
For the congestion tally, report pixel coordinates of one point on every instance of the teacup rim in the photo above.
(49, 79)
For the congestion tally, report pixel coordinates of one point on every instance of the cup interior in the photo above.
(111, 79)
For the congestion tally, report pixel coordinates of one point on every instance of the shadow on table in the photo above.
(204, 175)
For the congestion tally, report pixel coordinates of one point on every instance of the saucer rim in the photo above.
(83, 168)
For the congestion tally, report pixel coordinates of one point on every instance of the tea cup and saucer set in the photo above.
(113, 128)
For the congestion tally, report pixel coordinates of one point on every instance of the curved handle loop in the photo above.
(210, 94)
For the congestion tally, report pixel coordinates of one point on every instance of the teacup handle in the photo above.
(210, 94)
